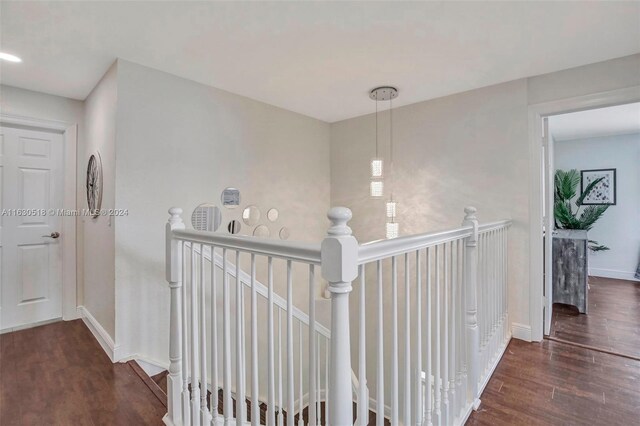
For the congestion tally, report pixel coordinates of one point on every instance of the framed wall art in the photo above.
(604, 192)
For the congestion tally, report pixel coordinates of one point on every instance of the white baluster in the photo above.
(300, 359)
(495, 291)
(428, 340)
(437, 409)
(174, 260)
(452, 333)
(280, 374)
(255, 401)
(446, 409)
(505, 289)
(482, 304)
(501, 285)
(417, 377)
(380, 361)
(186, 404)
(313, 372)
(195, 385)
(363, 400)
(471, 291)
(290, 377)
(318, 392)
(214, 340)
(241, 412)
(271, 397)
(461, 388)
(327, 381)
(407, 342)
(339, 255)
(204, 410)
(395, 415)
(226, 343)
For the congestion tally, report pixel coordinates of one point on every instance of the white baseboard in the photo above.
(521, 331)
(104, 339)
(612, 273)
(494, 365)
(151, 367)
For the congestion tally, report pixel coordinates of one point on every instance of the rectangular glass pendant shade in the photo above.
(377, 167)
(376, 188)
(392, 229)
(391, 209)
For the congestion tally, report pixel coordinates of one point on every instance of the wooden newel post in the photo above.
(174, 277)
(340, 268)
(471, 317)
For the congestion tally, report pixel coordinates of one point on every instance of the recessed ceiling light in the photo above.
(9, 57)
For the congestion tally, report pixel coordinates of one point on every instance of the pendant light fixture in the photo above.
(377, 164)
(384, 93)
(376, 186)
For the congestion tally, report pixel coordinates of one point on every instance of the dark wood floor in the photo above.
(552, 383)
(57, 374)
(612, 322)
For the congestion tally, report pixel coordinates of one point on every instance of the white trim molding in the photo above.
(536, 262)
(104, 339)
(150, 366)
(612, 273)
(521, 331)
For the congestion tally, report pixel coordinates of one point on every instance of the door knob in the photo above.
(53, 235)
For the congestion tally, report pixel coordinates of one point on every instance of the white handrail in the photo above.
(382, 249)
(490, 226)
(290, 250)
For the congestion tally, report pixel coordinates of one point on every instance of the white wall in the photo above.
(99, 243)
(465, 149)
(180, 143)
(619, 227)
(468, 149)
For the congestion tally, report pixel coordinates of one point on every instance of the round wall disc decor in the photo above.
(233, 227)
(206, 217)
(94, 184)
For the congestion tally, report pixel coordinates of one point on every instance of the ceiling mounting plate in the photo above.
(383, 93)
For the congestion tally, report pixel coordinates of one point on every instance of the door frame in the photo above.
(69, 132)
(537, 112)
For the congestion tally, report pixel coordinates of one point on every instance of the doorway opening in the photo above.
(592, 260)
(541, 201)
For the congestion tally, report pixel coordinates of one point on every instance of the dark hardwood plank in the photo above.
(153, 386)
(57, 374)
(551, 383)
(612, 323)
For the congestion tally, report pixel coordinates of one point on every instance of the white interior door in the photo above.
(548, 223)
(31, 164)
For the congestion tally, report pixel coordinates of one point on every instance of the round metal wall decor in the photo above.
(206, 217)
(94, 184)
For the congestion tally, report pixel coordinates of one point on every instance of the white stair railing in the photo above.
(429, 366)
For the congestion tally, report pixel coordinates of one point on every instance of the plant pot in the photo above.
(570, 249)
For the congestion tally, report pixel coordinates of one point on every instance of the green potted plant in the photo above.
(570, 241)
(583, 217)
